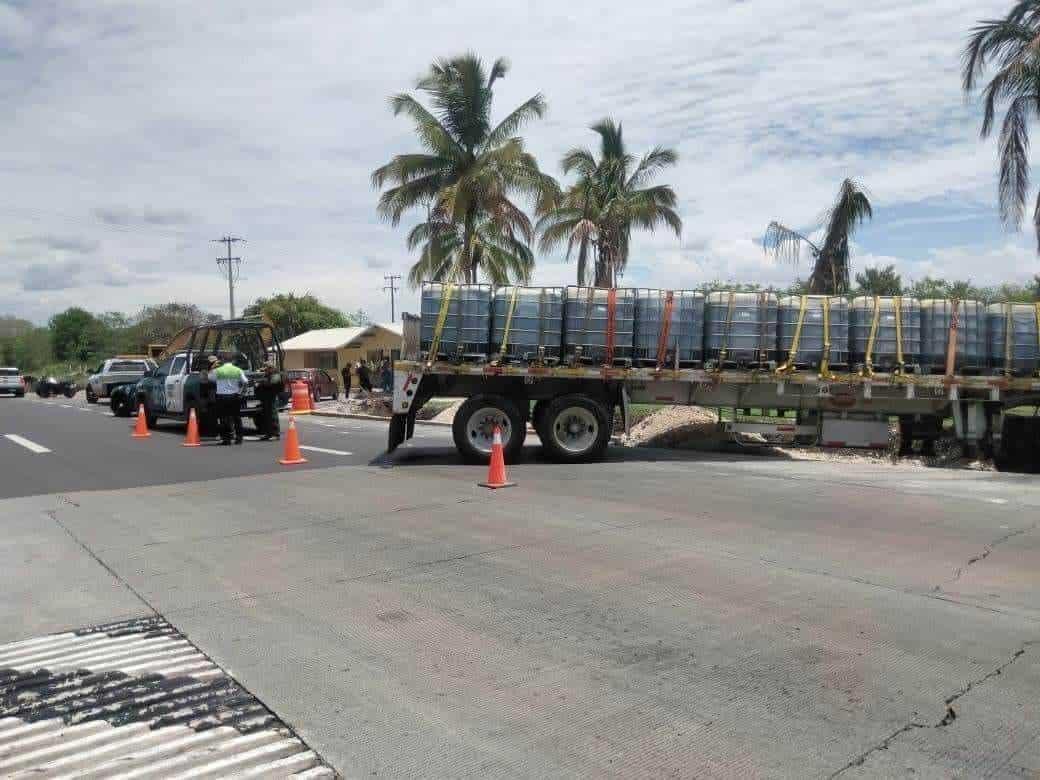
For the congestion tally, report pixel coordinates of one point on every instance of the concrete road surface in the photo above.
(655, 615)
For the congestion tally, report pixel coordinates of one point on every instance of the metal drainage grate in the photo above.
(135, 700)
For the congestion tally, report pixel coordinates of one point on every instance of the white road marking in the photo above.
(32, 446)
(322, 449)
(997, 500)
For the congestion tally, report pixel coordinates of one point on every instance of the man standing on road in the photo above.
(267, 390)
(346, 381)
(229, 380)
(364, 378)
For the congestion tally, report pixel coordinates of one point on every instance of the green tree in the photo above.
(465, 179)
(879, 281)
(158, 324)
(31, 350)
(831, 257)
(292, 314)
(611, 196)
(76, 334)
(1009, 45)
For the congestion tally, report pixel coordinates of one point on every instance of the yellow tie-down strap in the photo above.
(868, 360)
(731, 306)
(796, 341)
(442, 317)
(509, 320)
(825, 360)
(899, 333)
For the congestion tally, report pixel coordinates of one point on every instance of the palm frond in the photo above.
(432, 133)
(393, 203)
(992, 39)
(407, 167)
(654, 161)
(580, 161)
(1014, 161)
(785, 244)
(533, 108)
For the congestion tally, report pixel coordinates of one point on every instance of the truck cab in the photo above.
(115, 372)
(179, 383)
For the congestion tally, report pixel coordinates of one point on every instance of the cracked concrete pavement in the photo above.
(696, 616)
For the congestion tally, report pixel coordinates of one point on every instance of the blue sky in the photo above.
(136, 132)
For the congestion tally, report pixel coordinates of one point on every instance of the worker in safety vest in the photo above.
(229, 379)
(268, 388)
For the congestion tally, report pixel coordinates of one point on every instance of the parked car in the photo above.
(114, 373)
(319, 383)
(12, 381)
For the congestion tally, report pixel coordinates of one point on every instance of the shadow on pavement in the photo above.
(448, 456)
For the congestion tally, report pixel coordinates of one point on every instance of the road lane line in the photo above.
(322, 449)
(32, 446)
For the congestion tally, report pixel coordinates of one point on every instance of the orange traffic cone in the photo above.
(497, 468)
(301, 399)
(291, 456)
(141, 426)
(192, 439)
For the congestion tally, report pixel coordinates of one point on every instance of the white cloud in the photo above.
(151, 129)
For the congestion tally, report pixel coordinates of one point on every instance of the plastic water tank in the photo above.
(885, 357)
(467, 322)
(814, 333)
(534, 318)
(1014, 344)
(740, 328)
(972, 352)
(588, 319)
(685, 333)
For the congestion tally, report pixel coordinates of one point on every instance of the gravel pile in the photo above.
(693, 427)
(375, 405)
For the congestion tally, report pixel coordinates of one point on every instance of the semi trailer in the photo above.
(572, 401)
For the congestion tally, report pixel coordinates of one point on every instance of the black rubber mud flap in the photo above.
(398, 432)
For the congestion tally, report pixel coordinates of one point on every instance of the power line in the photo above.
(234, 265)
(390, 279)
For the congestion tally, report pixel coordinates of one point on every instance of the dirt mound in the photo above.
(674, 426)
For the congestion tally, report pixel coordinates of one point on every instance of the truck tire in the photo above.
(575, 429)
(473, 427)
(91, 398)
(120, 405)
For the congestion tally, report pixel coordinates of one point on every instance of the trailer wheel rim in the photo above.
(480, 428)
(575, 429)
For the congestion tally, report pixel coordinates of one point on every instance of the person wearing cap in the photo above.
(229, 380)
(267, 390)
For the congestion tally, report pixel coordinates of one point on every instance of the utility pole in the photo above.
(233, 265)
(390, 279)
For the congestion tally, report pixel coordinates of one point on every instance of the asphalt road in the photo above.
(89, 449)
(655, 615)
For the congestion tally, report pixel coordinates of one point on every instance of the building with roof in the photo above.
(334, 348)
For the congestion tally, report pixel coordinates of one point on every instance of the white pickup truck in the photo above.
(115, 372)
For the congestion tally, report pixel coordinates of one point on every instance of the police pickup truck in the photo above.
(115, 372)
(179, 382)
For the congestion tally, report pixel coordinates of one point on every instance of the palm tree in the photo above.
(465, 179)
(879, 281)
(830, 274)
(597, 213)
(1012, 45)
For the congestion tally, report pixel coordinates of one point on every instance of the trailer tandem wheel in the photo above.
(475, 422)
(575, 429)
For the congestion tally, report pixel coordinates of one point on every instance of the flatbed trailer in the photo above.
(572, 408)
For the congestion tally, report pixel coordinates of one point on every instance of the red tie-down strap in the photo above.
(611, 323)
(666, 326)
